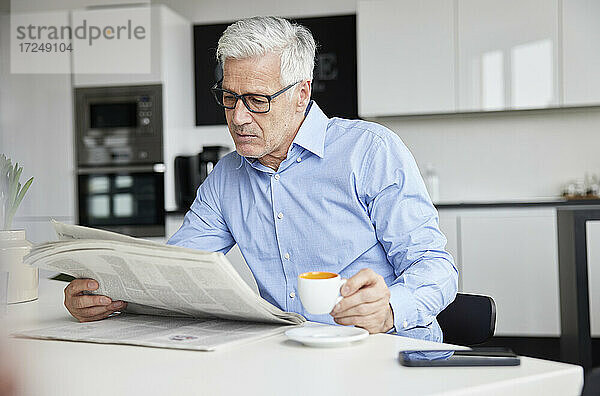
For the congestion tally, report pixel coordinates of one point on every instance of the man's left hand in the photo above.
(366, 303)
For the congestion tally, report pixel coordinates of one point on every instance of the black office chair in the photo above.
(591, 387)
(469, 320)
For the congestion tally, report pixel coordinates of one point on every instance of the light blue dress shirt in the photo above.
(348, 196)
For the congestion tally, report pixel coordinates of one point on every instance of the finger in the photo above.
(97, 317)
(86, 301)
(364, 309)
(92, 312)
(79, 285)
(363, 278)
(364, 295)
(359, 321)
(100, 310)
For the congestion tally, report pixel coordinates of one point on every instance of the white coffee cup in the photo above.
(320, 291)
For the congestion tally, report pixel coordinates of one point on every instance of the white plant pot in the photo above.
(23, 280)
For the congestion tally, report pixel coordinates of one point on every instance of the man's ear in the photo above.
(303, 95)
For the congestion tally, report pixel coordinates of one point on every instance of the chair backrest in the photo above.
(469, 320)
(591, 386)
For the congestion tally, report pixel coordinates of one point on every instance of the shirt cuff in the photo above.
(404, 307)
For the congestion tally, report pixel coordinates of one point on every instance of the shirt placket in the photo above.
(282, 229)
(282, 243)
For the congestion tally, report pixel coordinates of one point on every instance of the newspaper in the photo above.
(158, 331)
(155, 279)
(70, 232)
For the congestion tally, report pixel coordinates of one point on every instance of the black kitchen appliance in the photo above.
(119, 125)
(191, 171)
(119, 139)
(128, 200)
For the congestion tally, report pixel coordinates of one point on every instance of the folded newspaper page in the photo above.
(156, 279)
(160, 332)
(68, 232)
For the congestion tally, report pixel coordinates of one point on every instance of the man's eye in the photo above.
(228, 97)
(258, 100)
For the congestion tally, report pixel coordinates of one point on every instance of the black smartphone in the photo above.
(490, 356)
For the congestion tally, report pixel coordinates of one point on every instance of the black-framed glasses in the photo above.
(255, 103)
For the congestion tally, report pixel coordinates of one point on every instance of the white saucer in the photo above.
(326, 336)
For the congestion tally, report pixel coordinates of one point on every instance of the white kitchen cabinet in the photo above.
(172, 223)
(449, 221)
(130, 62)
(512, 255)
(405, 57)
(508, 54)
(593, 251)
(581, 52)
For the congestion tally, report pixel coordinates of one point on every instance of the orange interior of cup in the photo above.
(318, 275)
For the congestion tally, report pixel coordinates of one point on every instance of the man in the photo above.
(304, 193)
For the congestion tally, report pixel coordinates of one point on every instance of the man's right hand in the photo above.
(85, 307)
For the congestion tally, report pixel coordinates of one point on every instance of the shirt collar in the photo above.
(311, 134)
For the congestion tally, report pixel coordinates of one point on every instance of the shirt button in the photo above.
(299, 159)
(276, 177)
(405, 324)
(292, 295)
(280, 215)
(287, 256)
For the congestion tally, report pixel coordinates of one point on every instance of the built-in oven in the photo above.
(128, 200)
(120, 159)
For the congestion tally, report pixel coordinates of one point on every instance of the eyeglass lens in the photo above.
(256, 103)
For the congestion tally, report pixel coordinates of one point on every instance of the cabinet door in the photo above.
(593, 248)
(512, 256)
(449, 225)
(172, 223)
(405, 57)
(123, 60)
(507, 54)
(581, 52)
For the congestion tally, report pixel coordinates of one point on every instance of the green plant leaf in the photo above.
(16, 182)
(22, 192)
(12, 187)
(15, 206)
(11, 191)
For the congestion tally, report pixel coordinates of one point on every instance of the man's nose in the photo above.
(241, 115)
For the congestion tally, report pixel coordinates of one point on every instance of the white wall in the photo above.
(36, 130)
(509, 155)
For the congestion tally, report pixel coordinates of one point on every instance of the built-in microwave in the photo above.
(119, 125)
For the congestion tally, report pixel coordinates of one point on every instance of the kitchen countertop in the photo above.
(534, 202)
(177, 212)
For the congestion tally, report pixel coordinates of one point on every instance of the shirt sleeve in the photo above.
(203, 225)
(406, 224)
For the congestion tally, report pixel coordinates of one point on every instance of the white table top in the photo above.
(272, 366)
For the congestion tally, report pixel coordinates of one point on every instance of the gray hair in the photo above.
(258, 36)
